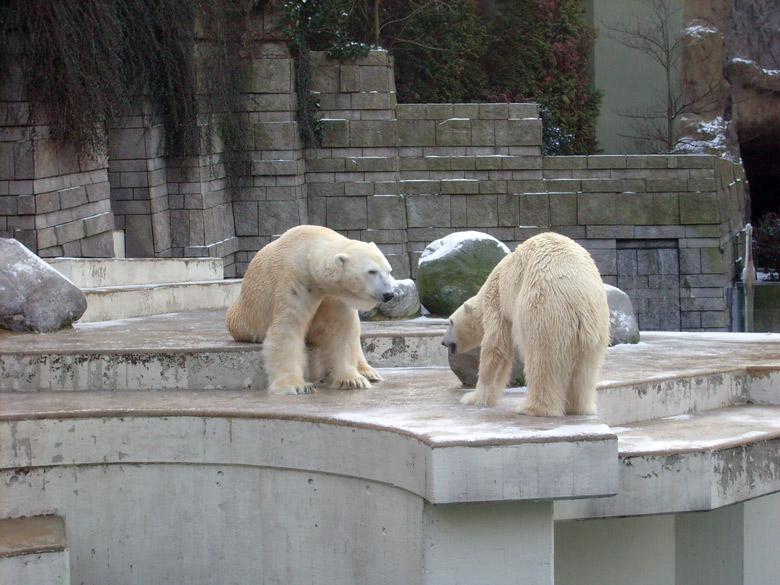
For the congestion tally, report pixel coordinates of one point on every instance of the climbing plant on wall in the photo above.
(539, 51)
(86, 62)
(467, 51)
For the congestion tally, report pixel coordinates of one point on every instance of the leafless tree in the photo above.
(655, 125)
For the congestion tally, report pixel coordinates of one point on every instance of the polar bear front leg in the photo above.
(495, 363)
(284, 350)
(335, 331)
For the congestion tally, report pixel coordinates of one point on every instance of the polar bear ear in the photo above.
(341, 258)
(467, 308)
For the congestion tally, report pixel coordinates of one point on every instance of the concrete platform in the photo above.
(171, 429)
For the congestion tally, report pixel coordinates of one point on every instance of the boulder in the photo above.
(466, 367)
(452, 269)
(33, 295)
(623, 324)
(405, 303)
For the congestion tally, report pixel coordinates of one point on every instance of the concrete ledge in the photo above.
(691, 463)
(122, 302)
(103, 272)
(431, 445)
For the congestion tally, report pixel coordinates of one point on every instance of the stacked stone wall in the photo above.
(52, 199)
(663, 228)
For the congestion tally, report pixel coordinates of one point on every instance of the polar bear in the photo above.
(306, 288)
(547, 300)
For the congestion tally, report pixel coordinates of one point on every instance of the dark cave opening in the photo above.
(762, 169)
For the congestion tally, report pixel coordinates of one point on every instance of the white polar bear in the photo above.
(306, 288)
(547, 300)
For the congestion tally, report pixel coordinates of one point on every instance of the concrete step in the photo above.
(694, 462)
(188, 350)
(34, 551)
(124, 302)
(103, 272)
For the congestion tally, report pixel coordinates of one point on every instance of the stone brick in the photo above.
(690, 260)
(453, 132)
(606, 260)
(245, 215)
(518, 132)
(345, 213)
(667, 185)
(699, 208)
(73, 197)
(439, 111)
(372, 133)
(386, 213)
(607, 162)
(636, 208)
(482, 211)
(97, 224)
(712, 261)
(655, 232)
(410, 111)
(563, 185)
(276, 135)
(596, 208)
(373, 101)
(563, 209)
(272, 75)
(459, 212)
(428, 210)
(460, 186)
(508, 210)
(565, 162)
(377, 79)
(483, 133)
(534, 210)
(666, 208)
(350, 79)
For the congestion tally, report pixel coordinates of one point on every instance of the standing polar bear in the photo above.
(305, 289)
(546, 299)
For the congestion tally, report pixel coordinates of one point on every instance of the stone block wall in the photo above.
(662, 228)
(53, 200)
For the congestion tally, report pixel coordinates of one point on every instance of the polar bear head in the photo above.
(466, 330)
(363, 276)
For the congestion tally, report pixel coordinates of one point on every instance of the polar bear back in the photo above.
(552, 290)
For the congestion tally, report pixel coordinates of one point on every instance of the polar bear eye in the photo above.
(372, 272)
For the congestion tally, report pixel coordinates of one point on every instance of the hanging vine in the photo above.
(87, 62)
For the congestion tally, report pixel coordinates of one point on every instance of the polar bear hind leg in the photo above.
(547, 376)
(581, 396)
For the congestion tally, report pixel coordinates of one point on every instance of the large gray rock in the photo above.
(405, 303)
(466, 367)
(623, 328)
(623, 324)
(452, 269)
(33, 295)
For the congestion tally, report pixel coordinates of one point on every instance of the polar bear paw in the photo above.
(370, 373)
(292, 386)
(351, 382)
(477, 399)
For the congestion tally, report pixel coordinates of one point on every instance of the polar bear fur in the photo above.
(305, 289)
(547, 300)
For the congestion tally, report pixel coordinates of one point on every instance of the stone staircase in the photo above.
(122, 288)
(687, 422)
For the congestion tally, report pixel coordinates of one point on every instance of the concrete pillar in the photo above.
(496, 543)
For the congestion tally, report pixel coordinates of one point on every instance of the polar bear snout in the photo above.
(388, 296)
(451, 346)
